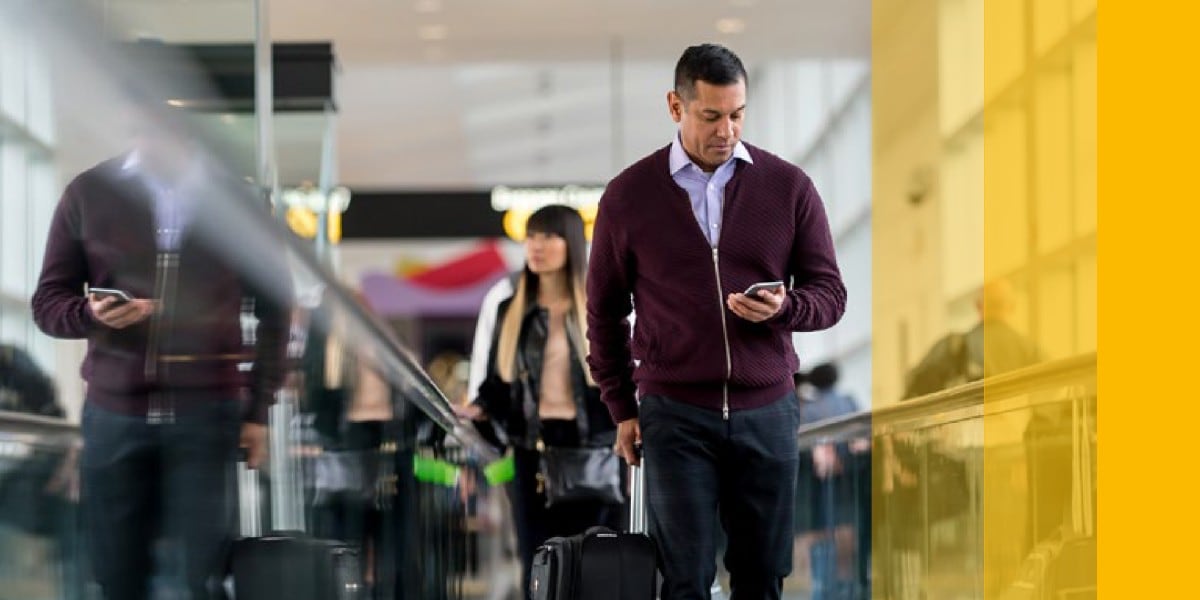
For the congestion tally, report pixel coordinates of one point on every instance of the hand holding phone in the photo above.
(119, 296)
(763, 286)
(118, 309)
(759, 302)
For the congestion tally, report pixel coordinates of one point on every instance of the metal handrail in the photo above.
(24, 423)
(966, 397)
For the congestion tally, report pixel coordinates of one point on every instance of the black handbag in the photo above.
(581, 474)
(571, 474)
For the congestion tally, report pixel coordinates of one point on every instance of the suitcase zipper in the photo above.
(724, 336)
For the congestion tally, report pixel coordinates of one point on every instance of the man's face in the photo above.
(710, 124)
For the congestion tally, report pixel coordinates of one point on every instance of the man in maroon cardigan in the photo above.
(680, 235)
(167, 401)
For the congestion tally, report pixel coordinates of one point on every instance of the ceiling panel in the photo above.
(515, 91)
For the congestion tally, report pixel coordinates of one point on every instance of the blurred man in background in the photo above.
(991, 347)
(165, 406)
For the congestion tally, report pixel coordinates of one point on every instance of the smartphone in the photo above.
(768, 286)
(121, 295)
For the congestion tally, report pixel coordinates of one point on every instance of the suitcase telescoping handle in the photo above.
(637, 495)
(249, 517)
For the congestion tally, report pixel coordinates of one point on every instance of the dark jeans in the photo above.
(144, 482)
(534, 522)
(743, 470)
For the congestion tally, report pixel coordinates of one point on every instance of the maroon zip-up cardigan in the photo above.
(102, 234)
(648, 252)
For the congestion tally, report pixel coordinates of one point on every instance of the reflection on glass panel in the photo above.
(225, 340)
(930, 471)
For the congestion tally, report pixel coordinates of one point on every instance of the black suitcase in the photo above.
(288, 565)
(599, 564)
(295, 567)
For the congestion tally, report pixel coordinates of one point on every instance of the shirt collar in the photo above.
(133, 161)
(132, 167)
(680, 159)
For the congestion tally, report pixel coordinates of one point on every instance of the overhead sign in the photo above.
(506, 198)
(518, 204)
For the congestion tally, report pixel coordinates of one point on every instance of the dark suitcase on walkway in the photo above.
(295, 567)
(599, 564)
(288, 565)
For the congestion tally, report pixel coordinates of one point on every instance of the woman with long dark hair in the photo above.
(539, 394)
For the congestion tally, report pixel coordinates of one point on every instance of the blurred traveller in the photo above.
(993, 346)
(839, 492)
(24, 386)
(163, 413)
(681, 234)
(538, 389)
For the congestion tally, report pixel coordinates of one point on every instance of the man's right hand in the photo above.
(629, 436)
(117, 315)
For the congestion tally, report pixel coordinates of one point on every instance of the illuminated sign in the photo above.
(518, 203)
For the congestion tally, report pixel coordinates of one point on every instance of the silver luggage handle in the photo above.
(637, 496)
(249, 517)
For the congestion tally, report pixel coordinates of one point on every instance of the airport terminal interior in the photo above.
(361, 174)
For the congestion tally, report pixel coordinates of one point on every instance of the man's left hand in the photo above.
(759, 308)
(254, 440)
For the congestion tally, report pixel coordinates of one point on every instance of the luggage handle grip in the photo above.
(637, 494)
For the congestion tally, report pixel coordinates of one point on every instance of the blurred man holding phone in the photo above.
(167, 403)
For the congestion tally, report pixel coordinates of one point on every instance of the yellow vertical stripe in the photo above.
(1148, 208)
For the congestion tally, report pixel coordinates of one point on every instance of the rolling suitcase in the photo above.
(288, 565)
(600, 564)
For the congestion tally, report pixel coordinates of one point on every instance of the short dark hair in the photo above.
(824, 376)
(711, 63)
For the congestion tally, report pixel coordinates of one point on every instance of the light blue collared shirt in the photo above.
(705, 190)
(172, 203)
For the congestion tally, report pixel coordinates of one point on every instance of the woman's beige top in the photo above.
(557, 399)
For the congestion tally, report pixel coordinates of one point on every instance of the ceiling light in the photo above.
(434, 33)
(731, 25)
(177, 103)
(428, 6)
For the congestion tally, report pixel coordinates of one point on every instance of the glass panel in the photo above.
(929, 468)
